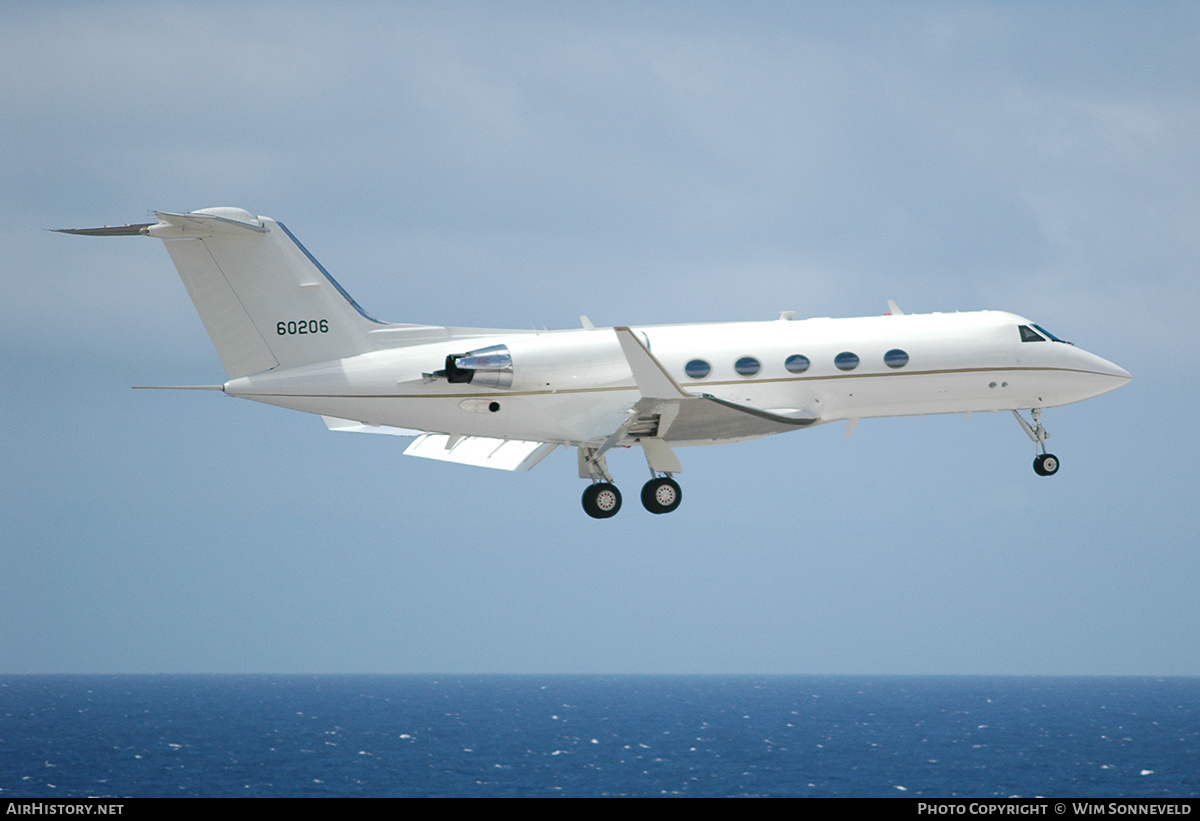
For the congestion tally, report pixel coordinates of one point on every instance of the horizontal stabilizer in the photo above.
(481, 451)
(350, 426)
(205, 223)
(108, 230)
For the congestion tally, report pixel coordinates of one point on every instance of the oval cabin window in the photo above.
(697, 369)
(846, 361)
(747, 366)
(796, 363)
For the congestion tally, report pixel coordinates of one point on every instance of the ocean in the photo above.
(561, 735)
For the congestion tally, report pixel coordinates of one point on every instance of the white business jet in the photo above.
(289, 335)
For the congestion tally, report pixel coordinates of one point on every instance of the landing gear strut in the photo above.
(1044, 464)
(601, 500)
(661, 495)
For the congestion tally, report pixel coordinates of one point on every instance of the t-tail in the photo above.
(264, 300)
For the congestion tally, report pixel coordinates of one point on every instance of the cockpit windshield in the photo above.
(1028, 334)
(1052, 337)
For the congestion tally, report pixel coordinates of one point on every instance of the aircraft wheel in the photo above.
(1045, 465)
(661, 495)
(601, 500)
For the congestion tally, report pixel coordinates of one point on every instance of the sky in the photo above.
(517, 165)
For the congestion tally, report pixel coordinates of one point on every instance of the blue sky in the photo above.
(514, 165)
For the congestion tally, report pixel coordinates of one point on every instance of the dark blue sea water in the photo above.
(165, 735)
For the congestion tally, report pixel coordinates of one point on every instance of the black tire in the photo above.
(661, 495)
(1045, 465)
(601, 500)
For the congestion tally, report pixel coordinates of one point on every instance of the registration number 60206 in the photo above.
(303, 326)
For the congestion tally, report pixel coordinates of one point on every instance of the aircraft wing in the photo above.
(709, 418)
(668, 412)
(653, 380)
(350, 426)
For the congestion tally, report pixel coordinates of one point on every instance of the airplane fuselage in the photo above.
(575, 386)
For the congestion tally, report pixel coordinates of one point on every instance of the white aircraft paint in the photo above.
(289, 335)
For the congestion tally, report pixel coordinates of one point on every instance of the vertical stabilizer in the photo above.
(264, 300)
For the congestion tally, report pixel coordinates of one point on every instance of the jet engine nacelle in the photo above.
(490, 367)
(539, 361)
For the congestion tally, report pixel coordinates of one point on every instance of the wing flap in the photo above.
(480, 451)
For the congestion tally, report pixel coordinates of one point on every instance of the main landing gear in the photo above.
(661, 495)
(602, 500)
(1044, 464)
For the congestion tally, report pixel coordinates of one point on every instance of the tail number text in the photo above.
(303, 326)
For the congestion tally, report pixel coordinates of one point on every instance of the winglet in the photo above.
(651, 377)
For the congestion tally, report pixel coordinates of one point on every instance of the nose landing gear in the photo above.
(1044, 464)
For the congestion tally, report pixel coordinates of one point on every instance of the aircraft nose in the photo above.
(1105, 376)
(1112, 370)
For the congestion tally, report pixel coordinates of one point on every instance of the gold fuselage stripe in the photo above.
(497, 392)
